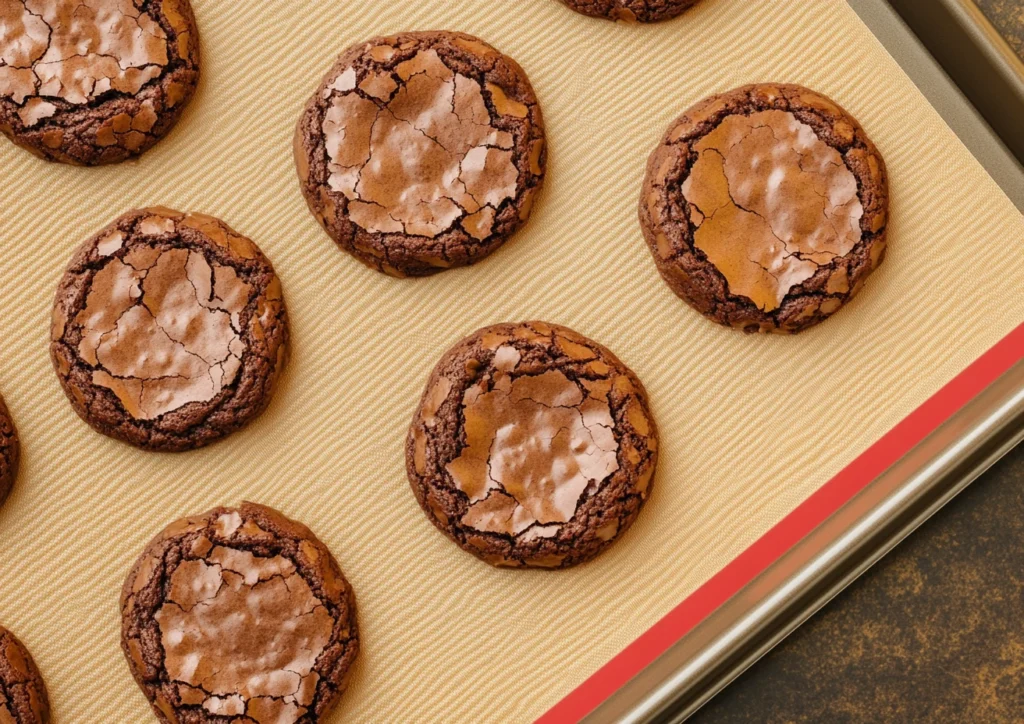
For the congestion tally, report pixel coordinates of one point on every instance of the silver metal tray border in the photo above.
(860, 533)
(826, 561)
(977, 58)
(957, 31)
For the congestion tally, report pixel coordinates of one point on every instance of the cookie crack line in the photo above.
(534, 461)
(379, 145)
(273, 559)
(157, 342)
(181, 343)
(99, 82)
(728, 188)
(121, 62)
(803, 157)
(433, 100)
(23, 696)
(818, 276)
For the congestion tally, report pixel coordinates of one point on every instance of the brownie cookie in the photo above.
(631, 11)
(23, 698)
(169, 330)
(766, 207)
(239, 615)
(532, 446)
(10, 452)
(97, 81)
(422, 151)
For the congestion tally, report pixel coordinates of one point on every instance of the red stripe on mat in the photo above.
(805, 518)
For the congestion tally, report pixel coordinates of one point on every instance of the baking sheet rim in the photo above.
(787, 533)
(586, 316)
(906, 435)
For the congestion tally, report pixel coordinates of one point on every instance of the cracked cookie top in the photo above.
(421, 151)
(631, 11)
(766, 207)
(532, 446)
(23, 698)
(169, 330)
(10, 453)
(239, 614)
(94, 81)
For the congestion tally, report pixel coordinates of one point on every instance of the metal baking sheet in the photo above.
(982, 64)
(907, 476)
(752, 426)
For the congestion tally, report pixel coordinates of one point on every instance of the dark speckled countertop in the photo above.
(933, 633)
(1008, 17)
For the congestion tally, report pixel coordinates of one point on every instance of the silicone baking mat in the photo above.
(751, 426)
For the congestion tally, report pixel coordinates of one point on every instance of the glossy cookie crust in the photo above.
(169, 330)
(766, 207)
(23, 698)
(239, 614)
(10, 452)
(421, 151)
(532, 446)
(95, 82)
(631, 11)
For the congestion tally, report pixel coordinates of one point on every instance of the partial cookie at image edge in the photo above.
(23, 696)
(254, 570)
(101, 88)
(631, 11)
(10, 452)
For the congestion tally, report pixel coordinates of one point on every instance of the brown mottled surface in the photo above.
(95, 82)
(933, 633)
(169, 330)
(23, 697)
(1008, 17)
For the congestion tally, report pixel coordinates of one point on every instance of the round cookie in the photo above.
(169, 330)
(239, 614)
(10, 452)
(766, 207)
(23, 698)
(532, 446)
(631, 11)
(96, 82)
(421, 152)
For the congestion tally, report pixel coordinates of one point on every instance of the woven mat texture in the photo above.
(751, 425)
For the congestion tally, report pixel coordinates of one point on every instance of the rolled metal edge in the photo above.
(976, 57)
(811, 573)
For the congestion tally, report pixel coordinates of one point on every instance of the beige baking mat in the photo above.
(751, 425)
